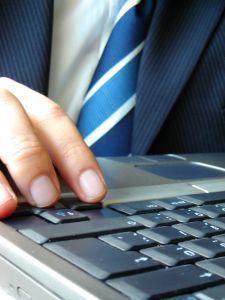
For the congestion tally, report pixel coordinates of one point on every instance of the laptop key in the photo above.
(101, 260)
(183, 297)
(165, 235)
(214, 265)
(206, 247)
(62, 216)
(199, 229)
(38, 210)
(137, 207)
(173, 203)
(128, 241)
(220, 237)
(207, 198)
(153, 220)
(90, 228)
(74, 203)
(25, 222)
(164, 282)
(212, 211)
(23, 209)
(220, 222)
(102, 213)
(213, 293)
(185, 215)
(171, 255)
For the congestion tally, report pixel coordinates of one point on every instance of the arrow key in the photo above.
(165, 282)
(215, 265)
(216, 292)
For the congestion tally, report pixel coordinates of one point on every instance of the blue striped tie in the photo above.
(105, 121)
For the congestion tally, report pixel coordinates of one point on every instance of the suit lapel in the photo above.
(25, 41)
(177, 37)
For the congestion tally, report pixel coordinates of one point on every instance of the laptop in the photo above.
(159, 233)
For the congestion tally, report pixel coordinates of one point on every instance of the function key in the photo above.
(137, 207)
(171, 255)
(207, 198)
(128, 241)
(173, 203)
(62, 216)
(153, 220)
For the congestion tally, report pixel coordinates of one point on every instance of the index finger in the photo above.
(68, 151)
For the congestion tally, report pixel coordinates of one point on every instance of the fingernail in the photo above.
(5, 194)
(43, 191)
(91, 185)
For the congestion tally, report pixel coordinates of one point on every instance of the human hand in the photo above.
(35, 134)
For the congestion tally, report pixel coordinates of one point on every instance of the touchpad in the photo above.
(183, 171)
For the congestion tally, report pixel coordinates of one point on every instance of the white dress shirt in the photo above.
(81, 29)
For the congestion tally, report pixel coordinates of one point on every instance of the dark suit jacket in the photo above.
(181, 86)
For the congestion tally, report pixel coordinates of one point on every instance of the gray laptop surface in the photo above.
(159, 233)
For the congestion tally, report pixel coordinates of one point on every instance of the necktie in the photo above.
(105, 121)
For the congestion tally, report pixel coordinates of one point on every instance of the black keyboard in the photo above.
(169, 248)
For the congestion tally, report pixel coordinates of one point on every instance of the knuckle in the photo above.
(50, 111)
(72, 149)
(24, 148)
(5, 95)
(53, 111)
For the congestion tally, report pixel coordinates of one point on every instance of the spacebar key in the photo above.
(90, 228)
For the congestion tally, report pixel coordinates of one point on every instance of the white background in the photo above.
(4, 296)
